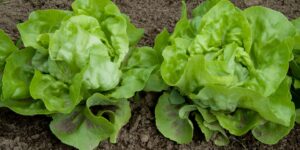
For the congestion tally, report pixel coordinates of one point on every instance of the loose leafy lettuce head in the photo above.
(230, 65)
(76, 66)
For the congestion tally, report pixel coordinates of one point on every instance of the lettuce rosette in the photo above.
(226, 70)
(74, 67)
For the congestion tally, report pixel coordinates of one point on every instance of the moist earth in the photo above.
(32, 133)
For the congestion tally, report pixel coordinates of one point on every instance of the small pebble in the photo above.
(17, 139)
(36, 136)
(144, 138)
(252, 2)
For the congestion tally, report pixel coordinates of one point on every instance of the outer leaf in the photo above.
(16, 80)
(175, 98)
(81, 128)
(277, 108)
(6, 48)
(155, 82)
(185, 110)
(205, 130)
(271, 49)
(133, 80)
(220, 138)
(181, 28)
(84, 130)
(204, 7)
(265, 132)
(240, 122)
(175, 57)
(117, 110)
(207, 115)
(55, 94)
(146, 61)
(161, 41)
(167, 117)
(17, 75)
(134, 34)
(28, 107)
(211, 128)
(143, 57)
(283, 107)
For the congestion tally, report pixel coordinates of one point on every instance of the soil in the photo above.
(22, 133)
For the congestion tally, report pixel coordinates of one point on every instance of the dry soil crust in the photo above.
(18, 132)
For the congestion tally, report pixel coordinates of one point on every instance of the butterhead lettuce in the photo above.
(76, 67)
(227, 70)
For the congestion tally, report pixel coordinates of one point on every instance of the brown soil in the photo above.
(19, 132)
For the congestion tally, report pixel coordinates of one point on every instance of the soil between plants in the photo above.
(22, 133)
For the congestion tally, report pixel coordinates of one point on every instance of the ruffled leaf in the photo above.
(170, 124)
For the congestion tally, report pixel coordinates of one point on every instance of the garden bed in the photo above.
(19, 132)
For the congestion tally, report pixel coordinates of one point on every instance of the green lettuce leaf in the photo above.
(94, 8)
(17, 75)
(272, 47)
(36, 30)
(240, 122)
(40, 62)
(81, 128)
(84, 129)
(6, 48)
(146, 61)
(132, 80)
(16, 79)
(203, 8)
(55, 94)
(155, 82)
(169, 123)
(117, 110)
